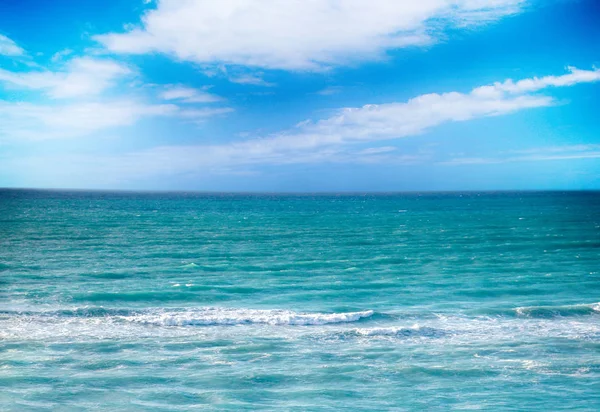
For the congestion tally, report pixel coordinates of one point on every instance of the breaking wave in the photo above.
(558, 311)
(199, 316)
(220, 316)
(407, 332)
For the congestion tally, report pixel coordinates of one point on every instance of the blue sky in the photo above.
(329, 95)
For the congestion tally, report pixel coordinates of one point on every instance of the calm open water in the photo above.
(141, 301)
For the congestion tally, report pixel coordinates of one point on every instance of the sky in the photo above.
(300, 95)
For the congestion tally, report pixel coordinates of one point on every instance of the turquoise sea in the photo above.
(188, 301)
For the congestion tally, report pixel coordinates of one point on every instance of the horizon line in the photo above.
(316, 192)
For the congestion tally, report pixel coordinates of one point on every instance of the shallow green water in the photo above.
(130, 301)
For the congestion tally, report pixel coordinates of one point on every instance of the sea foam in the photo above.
(227, 316)
(195, 316)
(558, 311)
(394, 331)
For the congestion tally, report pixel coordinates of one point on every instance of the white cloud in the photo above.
(42, 122)
(82, 76)
(395, 120)
(370, 123)
(351, 135)
(558, 149)
(537, 83)
(9, 47)
(33, 121)
(537, 154)
(297, 34)
(252, 79)
(378, 150)
(60, 55)
(189, 95)
(201, 114)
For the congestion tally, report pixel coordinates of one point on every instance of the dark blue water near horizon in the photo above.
(394, 301)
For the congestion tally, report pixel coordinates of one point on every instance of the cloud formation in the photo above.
(538, 154)
(316, 141)
(40, 122)
(81, 76)
(537, 83)
(9, 48)
(351, 136)
(297, 34)
(251, 79)
(188, 95)
(369, 123)
(58, 121)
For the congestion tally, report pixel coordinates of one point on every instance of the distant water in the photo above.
(132, 301)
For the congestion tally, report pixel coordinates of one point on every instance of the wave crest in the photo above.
(221, 316)
(412, 331)
(558, 311)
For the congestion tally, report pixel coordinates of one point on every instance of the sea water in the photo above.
(187, 301)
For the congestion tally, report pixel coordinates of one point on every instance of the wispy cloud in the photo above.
(39, 122)
(9, 48)
(297, 34)
(538, 154)
(537, 83)
(60, 55)
(340, 138)
(81, 76)
(188, 95)
(252, 79)
(378, 150)
(59, 121)
(200, 115)
(366, 124)
(558, 149)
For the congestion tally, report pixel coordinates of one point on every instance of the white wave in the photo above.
(386, 331)
(99, 323)
(565, 310)
(415, 330)
(224, 316)
(81, 323)
(460, 330)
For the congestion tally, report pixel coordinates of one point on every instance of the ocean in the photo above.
(409, 301)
